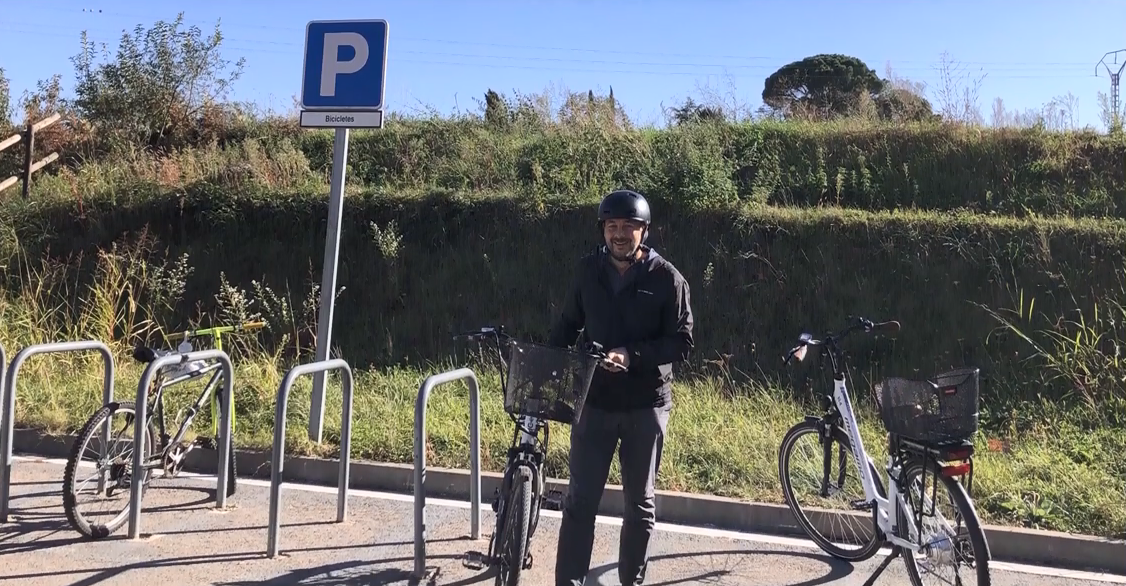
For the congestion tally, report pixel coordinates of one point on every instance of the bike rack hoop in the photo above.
(139, 424)
(278, 460)
(420, 459)
(8, 416)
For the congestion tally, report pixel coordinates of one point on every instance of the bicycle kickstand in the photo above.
(896, 551)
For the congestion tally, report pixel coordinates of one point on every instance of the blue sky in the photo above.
(653, 52)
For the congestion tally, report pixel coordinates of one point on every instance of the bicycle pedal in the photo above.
(553, 500)
(475, 560)
(860, 505)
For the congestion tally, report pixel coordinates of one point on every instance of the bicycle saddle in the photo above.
(144, 354)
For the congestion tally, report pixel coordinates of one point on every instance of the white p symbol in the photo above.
(330, 67)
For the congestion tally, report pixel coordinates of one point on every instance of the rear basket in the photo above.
(936, 412)
(547, 382)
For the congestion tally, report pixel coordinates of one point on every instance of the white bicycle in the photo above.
(930, 428)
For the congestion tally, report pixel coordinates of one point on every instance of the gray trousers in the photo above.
(593, 442)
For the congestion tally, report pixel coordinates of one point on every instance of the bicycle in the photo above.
(170, 452)
(541, 384)
(930, 426)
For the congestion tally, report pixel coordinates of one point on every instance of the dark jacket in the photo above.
(649, 315)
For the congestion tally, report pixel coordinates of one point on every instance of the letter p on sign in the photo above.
(331, 65)
(345, 65)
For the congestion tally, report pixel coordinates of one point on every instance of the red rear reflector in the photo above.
(956, 470)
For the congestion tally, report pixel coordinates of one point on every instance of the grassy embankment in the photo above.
(432, 244)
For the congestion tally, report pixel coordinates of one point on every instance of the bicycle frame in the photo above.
(215, 333)
(158, 402)
(887, 518)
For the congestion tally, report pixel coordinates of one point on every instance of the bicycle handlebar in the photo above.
(497, 334)
(890, 327)
(483, 334)
(216, 330)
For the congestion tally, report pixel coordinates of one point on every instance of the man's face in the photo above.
(622, 238)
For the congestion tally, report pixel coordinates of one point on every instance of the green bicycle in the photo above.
(116, 466)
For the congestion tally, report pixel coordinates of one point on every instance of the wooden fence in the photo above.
(30, 165)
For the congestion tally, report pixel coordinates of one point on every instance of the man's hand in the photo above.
(620, 359)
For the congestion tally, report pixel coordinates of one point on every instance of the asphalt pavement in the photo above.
(185, 540)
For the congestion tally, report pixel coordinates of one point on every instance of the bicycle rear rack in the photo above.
(420, 460)
(142, 408)
(277, 463)
(8, 416)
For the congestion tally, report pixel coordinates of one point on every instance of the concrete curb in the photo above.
(1046, 548)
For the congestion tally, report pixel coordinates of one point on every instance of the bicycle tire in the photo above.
(513, 545)
(867, 550)
(965, 508)
(91, 428)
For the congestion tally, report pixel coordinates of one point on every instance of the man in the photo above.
(628, 298)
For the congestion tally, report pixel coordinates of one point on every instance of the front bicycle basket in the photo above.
(547, 382)
(941, 411)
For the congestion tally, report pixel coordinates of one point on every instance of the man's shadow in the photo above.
(607, 574)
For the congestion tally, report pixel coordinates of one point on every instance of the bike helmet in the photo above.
(624, 204)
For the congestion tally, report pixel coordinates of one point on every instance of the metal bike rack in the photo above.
(278, 461)
(142, 414)
(9, 405)
(420, 459)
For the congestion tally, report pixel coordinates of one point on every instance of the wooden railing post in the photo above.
(30, 165)
(29, 158)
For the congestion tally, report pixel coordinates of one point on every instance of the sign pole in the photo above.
(343, 82)
(328, 280)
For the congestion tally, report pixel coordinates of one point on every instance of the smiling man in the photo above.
(628, 298)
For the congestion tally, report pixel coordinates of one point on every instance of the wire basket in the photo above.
(547, 382)
(941, 411)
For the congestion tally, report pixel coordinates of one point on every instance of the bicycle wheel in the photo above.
(116, 468)
(948, 542)
(865, 539)
(513, 543)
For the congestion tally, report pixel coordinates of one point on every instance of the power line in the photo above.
(749, 71)
(298, 33)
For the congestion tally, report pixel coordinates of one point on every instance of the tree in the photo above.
(157, 90)
(826, 84)
(693, 113)
(496, 109)
(902, 105)
(5, 102)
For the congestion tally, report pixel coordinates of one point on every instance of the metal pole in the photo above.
(29, 160)
(5, 474)
(141, 422)
(420, 460)
(328, 280)
(7, 418)
(227, 411)
(278, 461)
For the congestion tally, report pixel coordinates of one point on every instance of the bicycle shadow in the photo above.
(607, 575)
(34, 527)
(362, 574)
(340, 573)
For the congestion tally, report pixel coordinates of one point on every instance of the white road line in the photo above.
(661, 526)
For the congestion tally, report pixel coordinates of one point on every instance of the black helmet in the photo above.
(624, 204)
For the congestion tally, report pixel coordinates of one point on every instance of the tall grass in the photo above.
(1059, 469)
